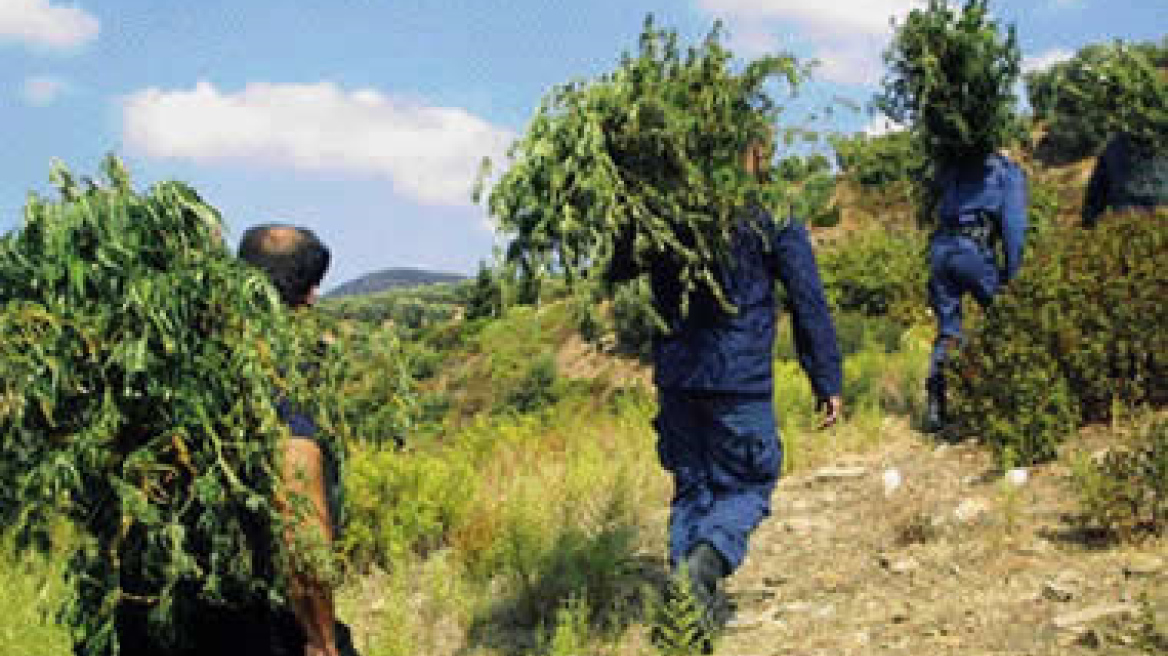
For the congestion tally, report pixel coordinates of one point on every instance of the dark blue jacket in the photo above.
(996, 187)
(712, 350)
(1125, 178)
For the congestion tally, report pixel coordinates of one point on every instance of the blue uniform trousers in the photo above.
(958, 266)
(724, 453)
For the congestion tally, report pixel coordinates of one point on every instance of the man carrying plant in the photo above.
(713, 368)
(952, 81)
(657, 171)
(295, 261)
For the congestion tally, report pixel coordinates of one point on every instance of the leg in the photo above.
(945, 298)
(681, 450)
(745, 457)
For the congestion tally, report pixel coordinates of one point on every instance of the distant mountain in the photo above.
(377, 281)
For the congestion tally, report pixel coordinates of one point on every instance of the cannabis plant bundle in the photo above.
(642, 166)
(951, 79)
(139, 363)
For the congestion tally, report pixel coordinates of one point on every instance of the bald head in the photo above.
(293, 257)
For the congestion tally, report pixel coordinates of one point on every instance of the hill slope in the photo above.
(392, 278)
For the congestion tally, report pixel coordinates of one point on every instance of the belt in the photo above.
(981, 232)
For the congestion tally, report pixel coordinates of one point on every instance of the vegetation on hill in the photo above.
(379, 281)
(1106, 88)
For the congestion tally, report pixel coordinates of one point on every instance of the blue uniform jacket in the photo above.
(996, 187)
(1125, 178)
(711, 350)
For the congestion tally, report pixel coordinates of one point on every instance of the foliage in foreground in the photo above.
(642, 167)
(1126, 490)
(140, 362)
(1080, 331)
(951, 79)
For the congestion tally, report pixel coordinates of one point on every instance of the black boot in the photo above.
(935, 404)
(696, 582)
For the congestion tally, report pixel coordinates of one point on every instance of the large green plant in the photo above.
(951, 79)
(139, 363)
(1080, 332)
(1104, 89)
(642, 166)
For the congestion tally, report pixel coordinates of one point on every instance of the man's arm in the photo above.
(814, 330)
(311, 598)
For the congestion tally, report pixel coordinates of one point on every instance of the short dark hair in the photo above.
(293, 257)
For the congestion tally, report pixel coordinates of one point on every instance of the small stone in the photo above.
(747, 621)
(1017, 476)
(970, 510)
(1088, 615)
(1058, 591)
(1143, 565)
(892, 480)
(902, 565)
(839, 473)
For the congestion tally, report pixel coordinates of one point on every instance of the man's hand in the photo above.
(832, 409)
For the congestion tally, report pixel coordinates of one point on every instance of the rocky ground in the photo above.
(919, 548)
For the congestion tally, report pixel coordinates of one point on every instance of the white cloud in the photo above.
(1046, 59)
(41, 24)
(848, 36)
(430, 154)
(42, 90)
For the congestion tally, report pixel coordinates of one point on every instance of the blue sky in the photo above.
(366, 119)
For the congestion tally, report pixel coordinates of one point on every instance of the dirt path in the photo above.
(957, 559)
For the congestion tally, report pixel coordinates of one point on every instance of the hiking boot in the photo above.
(698, 608)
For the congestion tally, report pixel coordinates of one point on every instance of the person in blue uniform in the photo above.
(1127, 176)
(716, 427)
(982, 203)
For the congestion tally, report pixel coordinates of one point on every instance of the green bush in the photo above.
(876, 273)
(535, 388)
(1103, 89)
(401, 502)
(814, 183)
(1080, 330)
(880, 160)
(1126, 491)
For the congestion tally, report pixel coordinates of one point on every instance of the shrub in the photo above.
(402, 502)
(1080, 330)
(877, 161)
(535, 388)
(1103, 89)
(876, 273)
(1126, 491)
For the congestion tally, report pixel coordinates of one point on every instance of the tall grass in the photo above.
(30, 590)
(532, 534)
